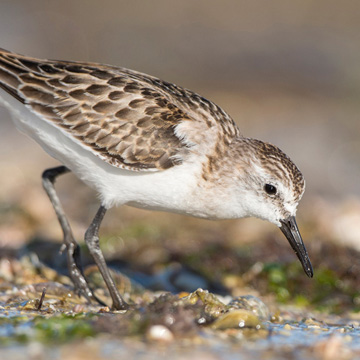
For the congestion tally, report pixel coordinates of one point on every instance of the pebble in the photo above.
(253, 304)
(236, 319)
(159, 333)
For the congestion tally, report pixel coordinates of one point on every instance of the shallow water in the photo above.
(67, 328)
(297, 343)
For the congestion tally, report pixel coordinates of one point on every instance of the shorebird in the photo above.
(140, 141)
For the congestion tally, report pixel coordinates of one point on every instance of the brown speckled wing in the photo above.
(126, 118)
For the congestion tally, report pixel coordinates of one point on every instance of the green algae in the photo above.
(59, 328)
(327, 291)
(63, 328)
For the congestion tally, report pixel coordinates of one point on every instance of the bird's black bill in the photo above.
(291, 231)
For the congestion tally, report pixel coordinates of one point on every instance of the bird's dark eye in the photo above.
(270, 189)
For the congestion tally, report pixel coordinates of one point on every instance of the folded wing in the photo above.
(126, 118)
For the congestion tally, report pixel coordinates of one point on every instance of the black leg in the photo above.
(72, 247)
(92, 241)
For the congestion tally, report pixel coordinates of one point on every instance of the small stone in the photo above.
(78, 308)
(310, 322)
(104, 309)
(253, 304)
(159, 333)
(183, 294)
(213, 306)
(237, 319)
(29, 305)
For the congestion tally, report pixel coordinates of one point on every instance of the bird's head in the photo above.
(274, 186)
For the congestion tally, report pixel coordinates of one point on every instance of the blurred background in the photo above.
(287, 72)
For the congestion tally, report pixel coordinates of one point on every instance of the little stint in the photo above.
(144, 142)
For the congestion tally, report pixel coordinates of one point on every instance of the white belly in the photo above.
(174, 189)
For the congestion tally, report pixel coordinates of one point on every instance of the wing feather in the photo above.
(126, 118)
